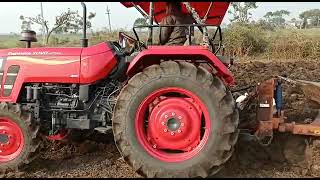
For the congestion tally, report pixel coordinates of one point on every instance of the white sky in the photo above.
(121, 17)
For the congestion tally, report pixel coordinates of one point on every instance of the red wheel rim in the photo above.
(173, 131)
(11, 139)
(62, 134)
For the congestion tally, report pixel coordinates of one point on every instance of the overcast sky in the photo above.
(121, 17)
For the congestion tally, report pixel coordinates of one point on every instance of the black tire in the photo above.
(213, 93)
(30, 131)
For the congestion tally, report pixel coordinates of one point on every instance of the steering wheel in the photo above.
(136, 45)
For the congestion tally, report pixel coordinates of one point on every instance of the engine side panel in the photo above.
(37, 65)
(96, 63)
(53, 65)
(64, 69)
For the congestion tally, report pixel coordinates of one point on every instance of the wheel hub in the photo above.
(4, 139)
(174, 124)
(11, 140)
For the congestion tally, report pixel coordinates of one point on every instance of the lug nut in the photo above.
(172, 133)
(154, 146)
(166, 116)
(165, 130)
(162, 123)
(173, 113)
(182, 124)
(180, 117)
(179, 131)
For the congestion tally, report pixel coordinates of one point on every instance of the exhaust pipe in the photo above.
(151, 13)
(84, 40)
(84, 89)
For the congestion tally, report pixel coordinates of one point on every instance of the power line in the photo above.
(108, 13)
(43, 28)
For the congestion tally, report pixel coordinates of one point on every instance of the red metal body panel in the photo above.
(215, 16)
(180, 52)
(96, 63)
(41, 65)
(57, 65)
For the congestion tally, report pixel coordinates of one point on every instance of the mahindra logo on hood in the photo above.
(19, 53)
(33, 53)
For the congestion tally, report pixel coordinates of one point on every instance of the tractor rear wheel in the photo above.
(18, 137)
(175, 120)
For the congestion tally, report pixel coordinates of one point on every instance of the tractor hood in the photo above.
(215, 15)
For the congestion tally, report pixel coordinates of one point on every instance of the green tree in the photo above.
(25, 24)
(69, 21)
(265, 24)
(241, 11)
(140, 22)
(76, 24)
(313, 15)
(276, 18)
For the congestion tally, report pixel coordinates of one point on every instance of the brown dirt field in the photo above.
(287, 156)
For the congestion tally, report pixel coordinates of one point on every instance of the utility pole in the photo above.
(108, 13)
(43, 28)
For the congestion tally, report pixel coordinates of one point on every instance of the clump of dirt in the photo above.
(97, 156)
(296, 104)
(288, 155)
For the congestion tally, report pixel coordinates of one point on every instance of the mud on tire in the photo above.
(29, 129)
(214, 95)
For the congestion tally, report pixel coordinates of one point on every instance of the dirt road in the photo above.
(287, 156)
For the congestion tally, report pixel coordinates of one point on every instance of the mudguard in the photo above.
(154, 53)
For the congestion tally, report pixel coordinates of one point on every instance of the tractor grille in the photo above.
(12, 74)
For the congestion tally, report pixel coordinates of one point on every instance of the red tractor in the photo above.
(170, 108)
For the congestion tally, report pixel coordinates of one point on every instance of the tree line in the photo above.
(67, 22)
(71, 22)
(241, 12)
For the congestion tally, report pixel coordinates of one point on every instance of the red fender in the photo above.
(154, 53)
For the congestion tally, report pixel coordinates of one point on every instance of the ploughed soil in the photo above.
(286, 156)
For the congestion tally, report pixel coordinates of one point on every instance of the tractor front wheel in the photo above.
(175, 120)
(19, 138)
